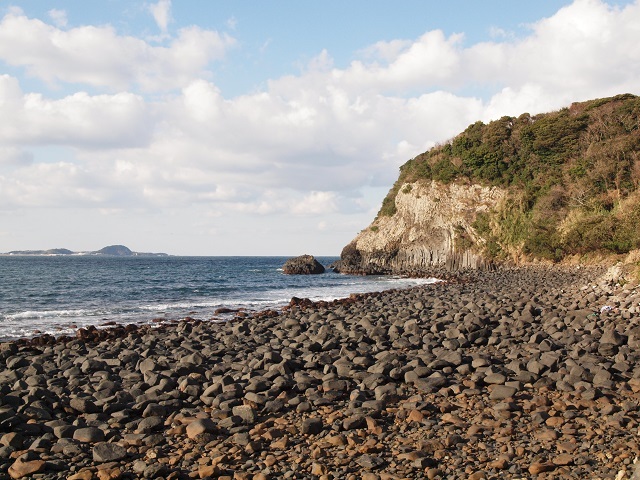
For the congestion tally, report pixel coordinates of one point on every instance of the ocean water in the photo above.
(58, 294)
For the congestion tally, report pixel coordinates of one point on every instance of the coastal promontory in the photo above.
(534, 188)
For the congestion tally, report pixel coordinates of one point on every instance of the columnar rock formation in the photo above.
(431, 229)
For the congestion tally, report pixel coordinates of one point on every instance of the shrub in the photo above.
(585, 159)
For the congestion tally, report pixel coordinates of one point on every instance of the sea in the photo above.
(58, 294)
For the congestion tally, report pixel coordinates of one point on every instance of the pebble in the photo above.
(200, 426)
(88, 435)
(563, 459)
(369, 461)
(108, 452)
(12, 439)
(311, 426)
(83, 475)
(536, 468)
(511, 373)
(21, 468)
(502, 392)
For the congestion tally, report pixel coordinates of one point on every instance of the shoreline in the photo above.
(516, 373)
(49, 306)
(111, 329)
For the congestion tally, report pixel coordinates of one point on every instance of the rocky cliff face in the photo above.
(432, 230)
(573, 183)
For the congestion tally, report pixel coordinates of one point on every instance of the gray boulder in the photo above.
(108, 452)
(302, 265)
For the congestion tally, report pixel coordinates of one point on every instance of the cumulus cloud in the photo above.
(584, 50)
(428, 62)
(499, 33)
(59, 17)
(100, 57)
(570, 55)
(308, 144)
(79, 120)
(161, 12)
(316, 203)
(52, 184)
(14, 157)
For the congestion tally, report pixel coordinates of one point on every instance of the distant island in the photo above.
(110, 251)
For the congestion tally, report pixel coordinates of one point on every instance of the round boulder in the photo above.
(108, 452)
(302, 265)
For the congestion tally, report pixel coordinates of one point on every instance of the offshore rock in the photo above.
(302, 265)
(430, 232)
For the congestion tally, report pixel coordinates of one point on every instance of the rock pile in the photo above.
(530, 373)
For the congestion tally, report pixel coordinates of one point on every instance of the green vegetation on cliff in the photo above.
(573, 178)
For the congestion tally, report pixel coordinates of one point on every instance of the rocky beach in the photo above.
(515, 373)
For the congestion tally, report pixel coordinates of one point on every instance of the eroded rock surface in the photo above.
(431, 230)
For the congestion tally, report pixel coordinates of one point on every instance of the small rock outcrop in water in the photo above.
(302, 265)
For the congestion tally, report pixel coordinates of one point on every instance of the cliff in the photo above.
(519, 189)
(432, 228)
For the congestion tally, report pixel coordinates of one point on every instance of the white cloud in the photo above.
(316, 203)
(265, 45)
(530, 97)
(585, 50)
(59, 17)
(161, 12)
(321, 63)
(57, 184)
(309, 144)
(14, 157)
(100, 57)
(499, 33)
(79, 120)
(430, 61)
(387, 51)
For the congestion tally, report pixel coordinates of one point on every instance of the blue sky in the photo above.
(265, 128)
(279, 38)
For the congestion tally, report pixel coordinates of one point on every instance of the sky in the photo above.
(199, 127)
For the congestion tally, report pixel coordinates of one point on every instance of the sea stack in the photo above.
(303, 265)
